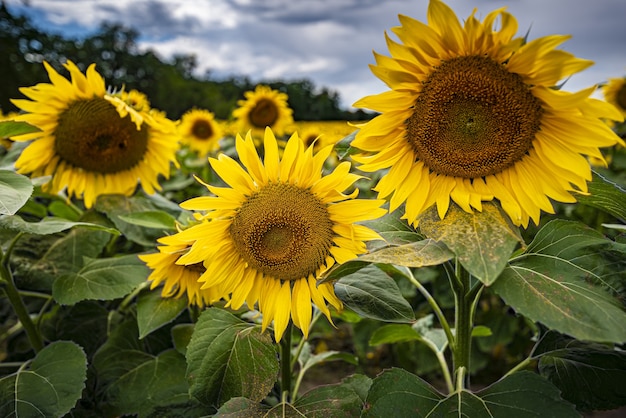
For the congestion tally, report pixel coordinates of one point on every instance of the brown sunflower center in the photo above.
(264, 113)
(283, 231)
(621, 97)
(91, 135)
(473, 118)
(201, 129)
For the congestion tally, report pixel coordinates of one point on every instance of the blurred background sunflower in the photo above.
(267, 237)
(473, 114)
(93, 142)
(199, 130)
(261, 108)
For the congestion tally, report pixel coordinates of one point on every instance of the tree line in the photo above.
(171, 86)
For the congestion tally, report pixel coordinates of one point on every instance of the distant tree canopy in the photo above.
(170, 86)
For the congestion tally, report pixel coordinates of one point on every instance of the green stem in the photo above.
(285, 363)
(316, 314)
(464, 301)
(522, 365)
(434, 306)
(444, 368)
(36, 341)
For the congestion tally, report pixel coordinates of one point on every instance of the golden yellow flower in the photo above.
(263, 107)
(276, 229)
(92, 142)
(615, 93)
(200, 131)
(178, 280)
(473, 115)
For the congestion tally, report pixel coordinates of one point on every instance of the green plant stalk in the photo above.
(434, 306)
(36, 341)
(464, 304)
(285, 363)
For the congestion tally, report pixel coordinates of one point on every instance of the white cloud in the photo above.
(328, 41)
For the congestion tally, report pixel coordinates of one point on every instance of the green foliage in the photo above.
(15, 189)
(551, 283)
(586, 373)
(101, 279)
(50, 386)
(227, 358)
(153, 311)
(399, 393)
(372, 293)
(482, 241)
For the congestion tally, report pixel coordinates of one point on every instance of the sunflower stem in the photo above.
(285, 362)
(434, 306)
(36, 341)
(464, 303)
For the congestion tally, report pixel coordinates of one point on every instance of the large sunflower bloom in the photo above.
(473, 115)
(276, 229)
(264, 107)
(178, 280)
(92, 142)
(200, 131)
(615, 93)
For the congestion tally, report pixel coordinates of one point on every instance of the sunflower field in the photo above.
(462, 252)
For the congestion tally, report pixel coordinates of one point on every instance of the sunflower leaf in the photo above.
(47, 225)
(101, 279)
(158, 382)
(370, 292)
(397, 392)
(15, 189)
(565, 280)
(228, 358)
(9, 128)
(151, 219)
(154, 311)
(423, 253)
(606, 196)
(482, 241)
(49, 387)
(584, 372)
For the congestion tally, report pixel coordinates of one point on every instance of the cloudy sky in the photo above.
(329, 42)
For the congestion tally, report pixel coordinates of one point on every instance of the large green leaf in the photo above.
(370, 292)
(156, 382)
(342, 400)
(606, 196)
(101, 279)
(586, 373)
(154, 311)
(549, 283)
(117, 207)
(47, 225)
(228, 358)
(51, 385)
(120, 354)
(61, 255)
(423, 253)
(15, 189)
(398, 393)
(482, 241)
(394, 230)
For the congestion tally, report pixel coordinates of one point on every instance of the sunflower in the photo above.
(615, 93)
(200, 131)
(264, 107)
(280, 224)
(473, 115)
(93, 142)
(177, 280)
